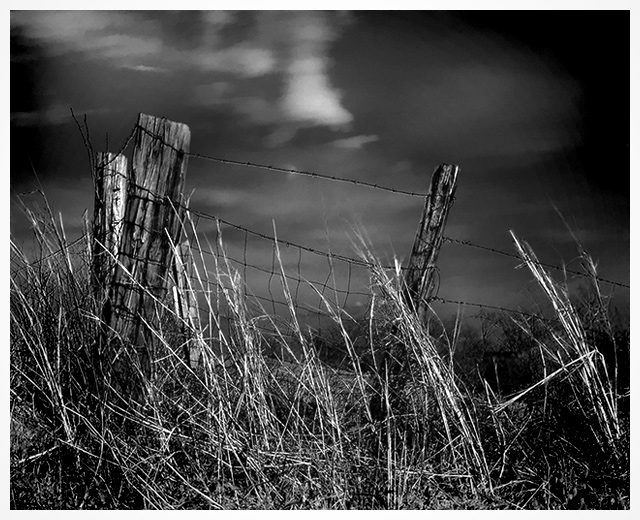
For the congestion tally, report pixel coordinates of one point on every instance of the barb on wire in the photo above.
(468, 243)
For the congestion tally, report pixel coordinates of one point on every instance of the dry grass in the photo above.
(248, 430)
(577, 360)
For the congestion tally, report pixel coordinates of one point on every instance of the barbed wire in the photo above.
(309, 174)
(332, 256)
(327, 292)
(555, 321)
(287, 243)
(343, 258)
(363, 263)
(468, 243)
(488, 306)
(279, 169)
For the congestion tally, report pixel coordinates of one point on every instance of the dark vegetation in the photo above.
(513, 412)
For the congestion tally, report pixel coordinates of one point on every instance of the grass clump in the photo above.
(263, 421)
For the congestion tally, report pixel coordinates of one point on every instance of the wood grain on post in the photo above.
(421, 276)
(152, 222)
(108, 212)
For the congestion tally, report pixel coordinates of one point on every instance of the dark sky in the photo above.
(532, 105)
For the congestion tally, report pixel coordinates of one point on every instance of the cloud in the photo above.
(241, 60)
(309, 96)
(106, 34)
(280, 136)
(355, 142)
(147, 68)
(118, 46)
(63, 26)
(214, 21)
(292, 47)
(223, 94)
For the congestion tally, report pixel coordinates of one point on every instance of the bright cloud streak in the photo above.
(355, 142)
(309, 96)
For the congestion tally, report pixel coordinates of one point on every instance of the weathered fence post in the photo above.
(421, 276)
(393, 358)
(111, 180)
(152, 223)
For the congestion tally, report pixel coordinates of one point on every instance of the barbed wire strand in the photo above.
(330, 256)
(505, 310)
(286, 243)
(487, 306)
(363, 263)
(350, 181)
(287, 170)
(468, 243)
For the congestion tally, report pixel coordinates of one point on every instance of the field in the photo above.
(385, 412)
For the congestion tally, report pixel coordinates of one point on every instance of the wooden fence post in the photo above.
(421, 276)
(152, 223)
(111, 178)
(393, 359)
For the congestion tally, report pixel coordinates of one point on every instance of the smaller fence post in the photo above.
(420, 277)
(111, 178)
(111, 183)
(392, 360)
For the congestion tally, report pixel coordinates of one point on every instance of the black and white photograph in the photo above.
(300, 257)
